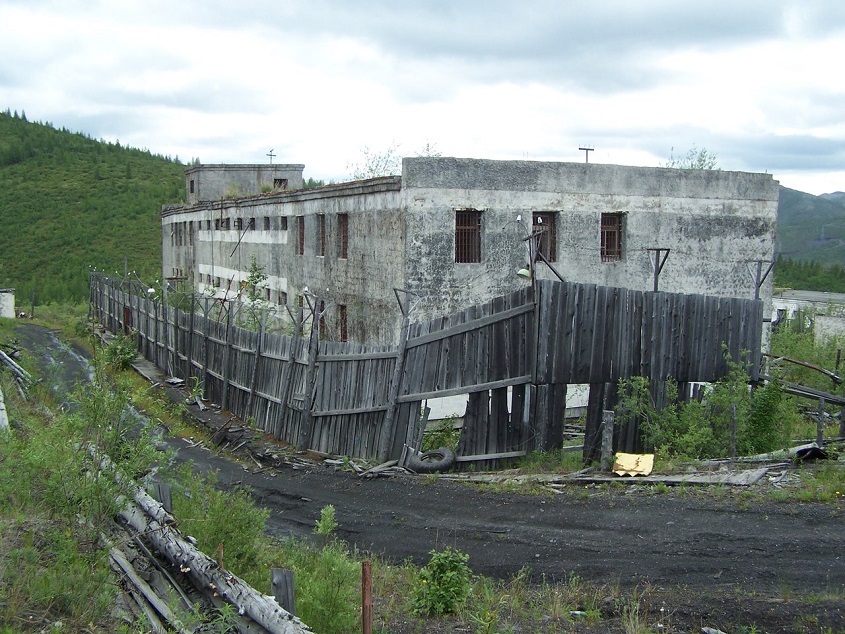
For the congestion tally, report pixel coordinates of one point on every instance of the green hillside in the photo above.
(811, 228)
(69, 203)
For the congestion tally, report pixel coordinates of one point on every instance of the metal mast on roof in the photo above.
(586, 149)
(271, 155)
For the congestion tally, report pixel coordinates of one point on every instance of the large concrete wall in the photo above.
(402, 235)
(363, 282)
(714, 222)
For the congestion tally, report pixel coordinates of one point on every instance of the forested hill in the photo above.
(69, 203)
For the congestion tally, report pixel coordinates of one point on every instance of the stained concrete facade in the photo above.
(408, 232)
(214, 182)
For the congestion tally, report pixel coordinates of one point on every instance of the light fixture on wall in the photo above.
(524, 273)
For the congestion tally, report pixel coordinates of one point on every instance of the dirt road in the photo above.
(720, 543)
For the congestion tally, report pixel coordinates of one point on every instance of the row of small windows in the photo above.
(321, 235)
(468, 228)
(182, 233)
(281, 298)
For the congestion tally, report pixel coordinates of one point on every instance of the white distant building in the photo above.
(825, 310)
(7, 303)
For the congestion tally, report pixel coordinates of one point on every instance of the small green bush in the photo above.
(444, 434)
(214, 517)
(121, 352)
(444, 583)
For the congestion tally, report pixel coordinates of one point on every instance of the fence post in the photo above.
(366, 597)
(259, 346)
(389, 420)
(307, 424)
(608, 419)
(282, 587)
(205, 312)
(820, 423)
(227, 353)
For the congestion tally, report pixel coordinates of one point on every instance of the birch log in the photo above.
(148, 518)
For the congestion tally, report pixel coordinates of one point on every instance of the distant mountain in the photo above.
(811, 228)
(69, 203)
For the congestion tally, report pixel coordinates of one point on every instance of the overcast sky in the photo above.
(757, 82)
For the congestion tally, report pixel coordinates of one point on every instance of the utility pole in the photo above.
(271, 155)
(586, 149)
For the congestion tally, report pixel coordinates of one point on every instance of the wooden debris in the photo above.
(148, 518)
(369, 473)
(740, 478)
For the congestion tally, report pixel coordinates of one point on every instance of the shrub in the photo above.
(444, 583)
(444, 434)
(214, 517)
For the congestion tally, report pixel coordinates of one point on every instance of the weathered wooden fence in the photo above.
(514, 356)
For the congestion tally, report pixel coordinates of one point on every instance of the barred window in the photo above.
(467, 236)
(344, 328)
(300, 244)
(611, 237)
(343, 237)
(544, 222)
(321, 234)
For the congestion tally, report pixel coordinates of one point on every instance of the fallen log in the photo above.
(148, 518)
(4, 417)
(16, 369)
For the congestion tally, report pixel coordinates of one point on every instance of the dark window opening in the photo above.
(227, 223)
(280, 183)
(467, 236)
(544, 223)
(266, 223)
(343, 237)
(283, 298)
(300, 245)
(251, 225)
(284, 223)
(321, 234)
(239, 224)
(344, 328)
(192, 185)
(611, 237)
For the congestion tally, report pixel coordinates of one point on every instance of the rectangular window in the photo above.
(208, 225)
(217, 223)
(227, 224)
(239, 224)
(267, 294)
(544, 222)
(467, 236)
(283, 298)
(251, 225)
(191, 233)
(611, 237)
(343, 237)
(344, 329)
(321, 234)
(266, 223)
(280, 183)
(300, 244)
(192, 185)
(283, 223)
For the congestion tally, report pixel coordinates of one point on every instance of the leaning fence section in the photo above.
(513, 357)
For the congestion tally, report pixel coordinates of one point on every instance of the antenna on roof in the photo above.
(586, 149)
(271, 155)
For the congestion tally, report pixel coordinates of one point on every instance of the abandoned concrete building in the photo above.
(454, 231)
